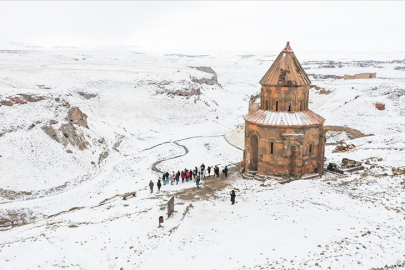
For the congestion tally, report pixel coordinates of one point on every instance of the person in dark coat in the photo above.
(216, 170)
(177, 177)
(202, 167)
(151, 186)
(167, 177)
(233, 196)
(183, 175)
(164, 179)
(159, 184)
(209, 170)
(226, 171)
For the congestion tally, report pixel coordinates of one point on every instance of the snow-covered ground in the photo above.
(64, 204)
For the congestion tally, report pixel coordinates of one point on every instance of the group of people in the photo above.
(187, 175)
(190, 175)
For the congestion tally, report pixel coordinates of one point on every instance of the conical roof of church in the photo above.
(286, 70)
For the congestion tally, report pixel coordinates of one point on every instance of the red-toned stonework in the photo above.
(283, 138)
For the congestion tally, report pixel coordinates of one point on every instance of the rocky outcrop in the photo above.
(185, 93)
(342, 146)
(206, 70)
(87, 95)
(68, 133)
(103, 156)
(75, 116)
(6, 103)
(209, 81)
(324, 92)
(14, 217)
(21, 99)
(380, 106)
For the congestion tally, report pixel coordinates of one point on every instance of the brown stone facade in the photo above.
(289, 152)
(361, 76)
(284, 98)
(283, 138)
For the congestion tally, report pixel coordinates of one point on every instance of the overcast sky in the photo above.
(207, 26)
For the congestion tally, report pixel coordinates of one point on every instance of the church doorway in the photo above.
(254, 146)
(293, 162)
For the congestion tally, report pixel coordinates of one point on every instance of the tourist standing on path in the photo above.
(226, 171)
(209, 171)
(151, 186)
(177, 177)
(173, 177)
(167, 177)
(233, 196)
(159, 184)
(202, 170)
(216, 170)
(187, 175)
(183, 175)
(197, 181)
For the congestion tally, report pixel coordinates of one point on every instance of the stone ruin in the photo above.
(342, 146)
(347, 166)
(360, 76)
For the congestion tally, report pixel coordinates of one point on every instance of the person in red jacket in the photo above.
(183, 174)
(187, 175)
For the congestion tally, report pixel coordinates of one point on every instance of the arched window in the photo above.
(301, 105)
(267, 105)
(310, 148)
(272, 148)
(276, 106)
(290, 106)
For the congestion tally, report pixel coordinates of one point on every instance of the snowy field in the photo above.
(60, 207)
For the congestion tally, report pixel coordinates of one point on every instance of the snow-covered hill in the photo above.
(146, 114)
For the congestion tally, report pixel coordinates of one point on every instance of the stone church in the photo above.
(283, 138)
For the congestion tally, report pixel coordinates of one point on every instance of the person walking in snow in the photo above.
(216, 170)
(209, 171)
(173, 178)
(151, 186)
(187, 175)
(177, 177)
(159, 184)
(183, 175)
(233, 196)
(226, 171)
(167, 177)
(202, 167)
(163, 179)
(197, 181)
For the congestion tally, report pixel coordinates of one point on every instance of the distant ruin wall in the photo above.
(361, 76)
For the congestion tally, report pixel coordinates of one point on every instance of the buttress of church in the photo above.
(283, 138)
